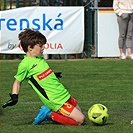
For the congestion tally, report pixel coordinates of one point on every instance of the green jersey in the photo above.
(43, 80)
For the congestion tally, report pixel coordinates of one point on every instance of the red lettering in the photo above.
(44, 74)
(19, 46)
(53, 46)
(59, 46)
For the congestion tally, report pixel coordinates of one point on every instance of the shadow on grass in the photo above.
(106, 124)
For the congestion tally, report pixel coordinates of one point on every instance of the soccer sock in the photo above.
(62, 119)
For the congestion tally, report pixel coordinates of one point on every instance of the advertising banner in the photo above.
(62, 26)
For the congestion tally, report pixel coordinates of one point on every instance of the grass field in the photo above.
(106, 81)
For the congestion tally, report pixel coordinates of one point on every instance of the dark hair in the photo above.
(30, 37)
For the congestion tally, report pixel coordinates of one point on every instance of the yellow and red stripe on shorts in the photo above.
(68, 106)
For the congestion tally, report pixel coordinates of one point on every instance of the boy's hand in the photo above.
(58, 74)
(12, 101)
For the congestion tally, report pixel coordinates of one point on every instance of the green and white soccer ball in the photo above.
(98, 114)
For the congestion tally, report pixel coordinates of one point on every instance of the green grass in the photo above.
(89, 81)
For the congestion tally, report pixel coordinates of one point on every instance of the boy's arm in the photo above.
(16, 87)
(14, 95)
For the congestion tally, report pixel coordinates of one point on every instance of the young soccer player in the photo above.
(59, 105)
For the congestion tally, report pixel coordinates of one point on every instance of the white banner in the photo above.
(62, 26)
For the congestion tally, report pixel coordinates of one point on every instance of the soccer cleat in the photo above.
(44, 114)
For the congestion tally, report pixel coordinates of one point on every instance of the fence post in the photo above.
(17, 3)
(96, 26)
(89, 29)
(4, 4)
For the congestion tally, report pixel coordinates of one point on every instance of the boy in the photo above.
(60, 106)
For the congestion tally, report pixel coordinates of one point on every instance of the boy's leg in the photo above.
(59, 118)
(74, 118)
(68, 114)
(46, 113)
(77, 115)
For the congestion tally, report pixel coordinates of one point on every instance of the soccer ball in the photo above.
(98, 114)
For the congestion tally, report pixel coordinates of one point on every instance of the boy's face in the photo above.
(37, 50)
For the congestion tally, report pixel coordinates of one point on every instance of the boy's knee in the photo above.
(82, 119)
